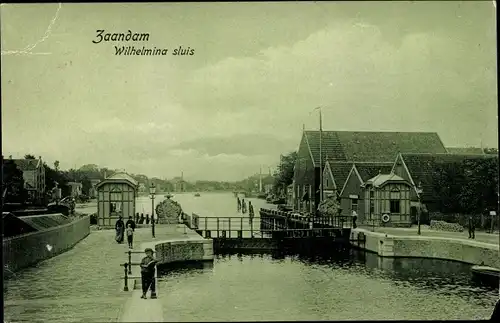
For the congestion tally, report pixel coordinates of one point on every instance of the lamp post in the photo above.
(419, 210)
(152, 192)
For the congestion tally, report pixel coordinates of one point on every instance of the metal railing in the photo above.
(128, 268)
(339, 221)
(225, 227)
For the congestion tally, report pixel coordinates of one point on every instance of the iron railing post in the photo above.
(130, 262)
(125, 287)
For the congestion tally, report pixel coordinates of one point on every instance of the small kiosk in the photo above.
(115, 197)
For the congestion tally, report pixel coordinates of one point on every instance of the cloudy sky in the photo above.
(258, 71)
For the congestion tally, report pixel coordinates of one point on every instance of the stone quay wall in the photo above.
(466, 251)
(184, 250)
(28, 249)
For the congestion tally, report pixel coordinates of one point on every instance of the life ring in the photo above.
(385, 218)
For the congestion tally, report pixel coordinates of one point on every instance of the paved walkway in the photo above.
(137, 309)
(491, 238)
(82, 284)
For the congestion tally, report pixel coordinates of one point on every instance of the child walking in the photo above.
(130, 236)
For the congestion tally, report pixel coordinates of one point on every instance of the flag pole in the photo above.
(320, 156)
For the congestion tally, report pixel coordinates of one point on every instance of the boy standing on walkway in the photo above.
(130, 236)
(148, 273)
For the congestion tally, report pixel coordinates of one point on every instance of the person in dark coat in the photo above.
(120, 230)
(137, 217)
(147, 218)
(472, 227)
(148, 273)
(243, 206)
(131, 222)
(239, 204)
(250, 211)
(141, 220)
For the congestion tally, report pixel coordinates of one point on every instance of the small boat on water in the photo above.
(486, 275)
(197, 194)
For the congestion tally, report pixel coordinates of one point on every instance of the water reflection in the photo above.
(408, 288)
(332, 284)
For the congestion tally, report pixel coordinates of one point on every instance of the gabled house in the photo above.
(334, 176)
(34, 178)
(387, 199)
(350, 146)
(419, 170)
(351, 195)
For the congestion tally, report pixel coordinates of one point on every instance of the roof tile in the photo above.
(371, 146)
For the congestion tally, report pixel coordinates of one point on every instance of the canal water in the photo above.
(354, 285)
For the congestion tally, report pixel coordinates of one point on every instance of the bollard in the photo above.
(125, 288)
(130, 262)
(153, 288)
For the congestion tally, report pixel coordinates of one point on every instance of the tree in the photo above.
(52, 176)
(466, 187)
(480, 190)
(284, 175)
(330, 206)
(29, 156)
(12, 183)
(56, 165)
(447, 182)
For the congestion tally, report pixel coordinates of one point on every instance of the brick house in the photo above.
(34, 178)
(334, 176)
(349, 146)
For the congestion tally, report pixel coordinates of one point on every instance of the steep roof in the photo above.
(465, 150)
(340, 171)
(369, 170)
(371, 146)
(423, 166)
(123, 176)
(331, 146)
(381, 179)
(120, 177)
